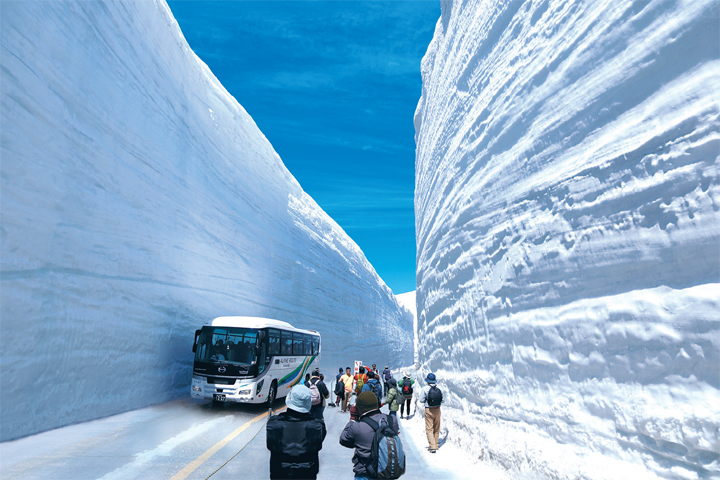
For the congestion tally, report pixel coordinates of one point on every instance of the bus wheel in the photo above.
(272, 393)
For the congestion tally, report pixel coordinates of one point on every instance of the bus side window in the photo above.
(297, 343)
(286, 348)
(274, 346)
(316, 345)
(307, 347)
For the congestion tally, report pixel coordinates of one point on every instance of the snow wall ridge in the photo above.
(568, 234)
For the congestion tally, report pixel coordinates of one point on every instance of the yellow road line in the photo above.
(182, 474)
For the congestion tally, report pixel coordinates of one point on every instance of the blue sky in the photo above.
(333, 85)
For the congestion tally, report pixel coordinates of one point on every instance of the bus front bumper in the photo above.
(240, 392)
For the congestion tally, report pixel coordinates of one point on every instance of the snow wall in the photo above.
(568, 255)
(139, 201)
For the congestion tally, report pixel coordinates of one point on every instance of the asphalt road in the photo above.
(178, 440)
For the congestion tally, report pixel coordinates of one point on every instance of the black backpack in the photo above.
(407, 389)
(387, 457)
(376, 389)
(434, 396)
(339, 388)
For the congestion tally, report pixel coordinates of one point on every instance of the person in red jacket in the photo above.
(362, 376)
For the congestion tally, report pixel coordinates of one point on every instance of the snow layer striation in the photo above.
(139, 201)
(568, 235)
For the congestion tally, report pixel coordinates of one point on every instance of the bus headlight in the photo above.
(244, 392)
(196, 388)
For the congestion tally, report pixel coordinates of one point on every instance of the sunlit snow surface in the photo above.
(567, 197)
(407, 301)
(139, 201)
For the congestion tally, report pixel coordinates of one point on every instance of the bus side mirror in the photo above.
(197, 336)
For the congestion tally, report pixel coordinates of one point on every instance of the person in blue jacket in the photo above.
(373, 385)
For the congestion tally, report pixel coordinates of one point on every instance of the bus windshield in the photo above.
(227, 345)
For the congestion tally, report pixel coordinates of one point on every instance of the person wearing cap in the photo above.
(294, 438)
(431, 397)
(359, 435)
(317, 410)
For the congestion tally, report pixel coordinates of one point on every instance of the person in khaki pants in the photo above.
(347, 380)
(432, 397)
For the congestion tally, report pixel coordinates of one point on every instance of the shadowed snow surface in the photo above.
(139, 201)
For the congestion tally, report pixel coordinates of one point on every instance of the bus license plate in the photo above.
(218, 397)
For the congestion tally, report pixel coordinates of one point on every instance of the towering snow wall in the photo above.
(139, 201)
(567, 197)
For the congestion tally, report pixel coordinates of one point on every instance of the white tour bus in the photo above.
(251, 359)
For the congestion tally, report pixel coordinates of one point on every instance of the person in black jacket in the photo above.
(342, 394)
(294, 438)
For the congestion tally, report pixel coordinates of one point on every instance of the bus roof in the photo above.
(255, 322)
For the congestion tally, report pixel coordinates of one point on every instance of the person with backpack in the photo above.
(378, 450)
(373, 385)
(432, 397)
(406, 390)
(318, 393)
(387, 375)
(360, 380)
(347, 382)
(394, 398)
(339, 391)
(294, 438)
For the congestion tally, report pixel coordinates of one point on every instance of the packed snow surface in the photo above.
(139, 201)
(568, 235)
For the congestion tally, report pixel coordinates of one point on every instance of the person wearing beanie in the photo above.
(359, 435)
(322, 391)
(431, 396)
(294, 438)
(393, 399)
